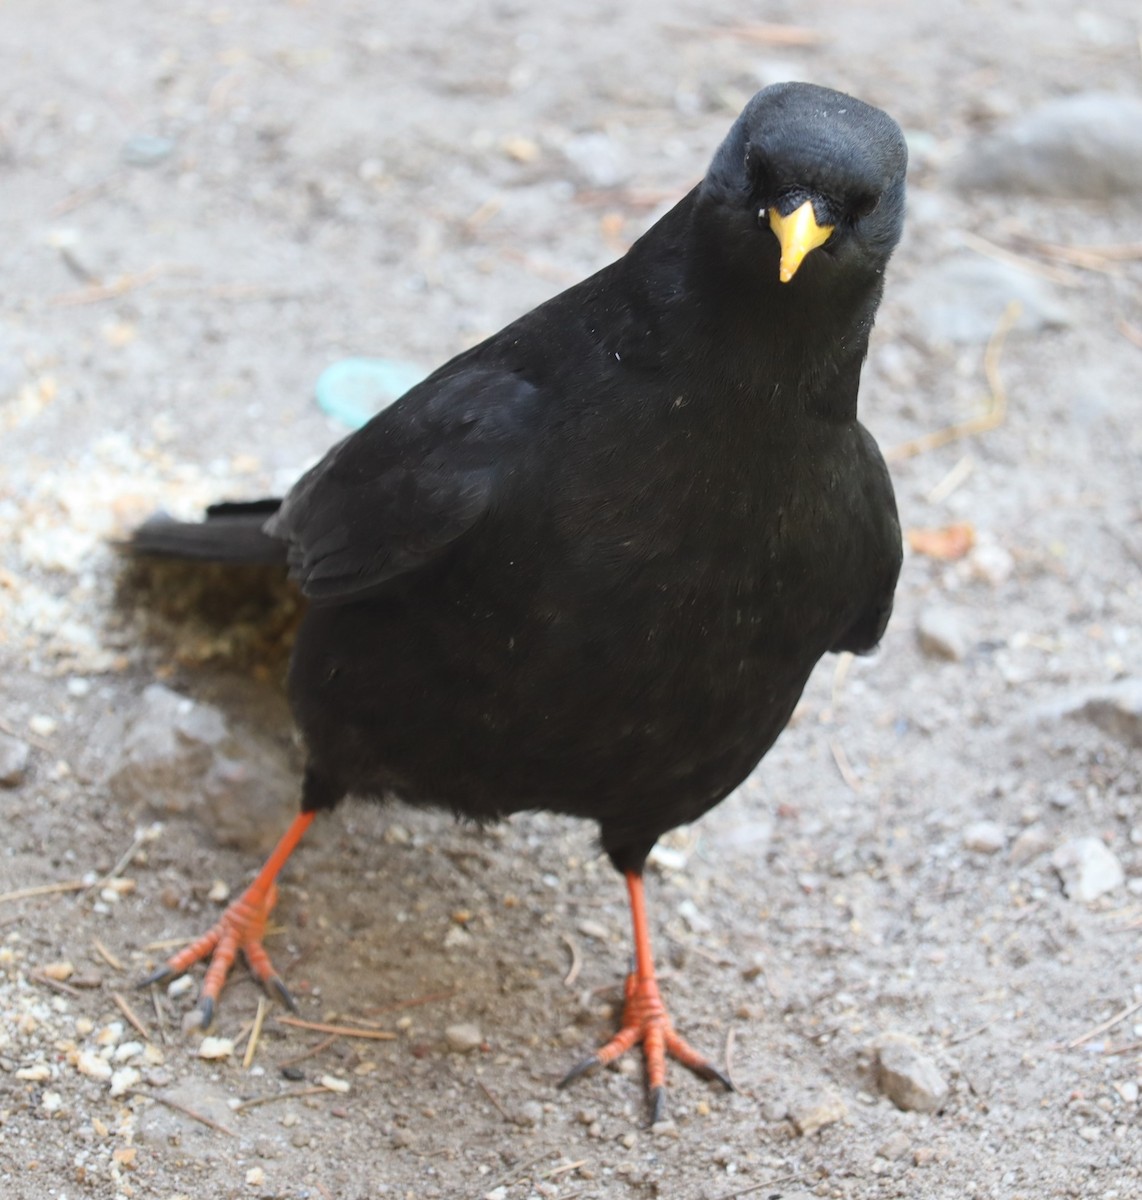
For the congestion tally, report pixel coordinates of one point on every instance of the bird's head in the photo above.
(812, 172)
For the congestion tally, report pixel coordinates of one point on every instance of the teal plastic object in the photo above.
(355, 389)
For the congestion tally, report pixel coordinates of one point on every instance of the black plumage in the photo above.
(588, 565)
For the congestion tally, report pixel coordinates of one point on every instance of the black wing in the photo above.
(393, 496)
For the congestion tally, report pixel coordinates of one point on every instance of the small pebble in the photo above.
(530, 1114)
(463, 1038)
(941, 634)
(146, 150)
(36, 1074)
(897, 1146)
(51, 1102)
(817, 1110)
(1032, 842)
(219, 891)
(984, 837)
(907, 1076)
(180, 986)
(255, 1177)
(123, 1080)
(1087, 868)
(334, 1084)
(14, 757)
(91, 1065)
(216, 1047)
(42, 725)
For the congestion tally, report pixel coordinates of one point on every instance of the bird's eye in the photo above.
(863, 205)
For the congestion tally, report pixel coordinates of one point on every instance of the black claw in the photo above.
(657, 1099)
(199, 1018)
(275, 984)
(161, 975)
(709, 1071)
(580, 1068)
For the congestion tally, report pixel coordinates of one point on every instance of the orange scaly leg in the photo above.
(241, 927)
(645, 1020)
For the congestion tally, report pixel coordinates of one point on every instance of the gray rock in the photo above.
(907, 1076)
(14, 757)
(941, 633)
(1087, 146)
(171, 755)
(960, 301)
(1087, 868)
(984, 837)
(816, 1110)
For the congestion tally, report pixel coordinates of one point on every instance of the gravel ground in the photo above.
(907, 934)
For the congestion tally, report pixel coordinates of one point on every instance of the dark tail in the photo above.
(231, 533)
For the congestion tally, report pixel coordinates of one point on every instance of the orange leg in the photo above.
(241, 927)
(645, 1020)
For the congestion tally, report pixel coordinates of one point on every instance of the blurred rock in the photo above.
(463, 1038)
(1114, 707)
(14, 756)
(984, 837)
(907, 1076)
(816, 1110)
(146, 150)
(173, 755)
(1087, 146)
(1032, 842)
(941, 634)
(1087, 868)
(960, 301)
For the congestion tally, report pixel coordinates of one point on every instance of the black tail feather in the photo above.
(231, 533)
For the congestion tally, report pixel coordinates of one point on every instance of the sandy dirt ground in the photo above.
(202, 206)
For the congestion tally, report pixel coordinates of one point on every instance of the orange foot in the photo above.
(645, 1021)
(241, 927)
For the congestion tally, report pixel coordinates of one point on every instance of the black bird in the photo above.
(588, 565)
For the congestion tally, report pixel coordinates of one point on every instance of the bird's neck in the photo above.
(795, 347)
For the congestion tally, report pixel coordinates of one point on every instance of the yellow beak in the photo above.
(798, 233)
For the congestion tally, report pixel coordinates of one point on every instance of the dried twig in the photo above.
(108, 291)
(428, 998)
(382, 1035)
(844, 766)
(105, 954)
(1130, 332)
(1031, 265)
(255, 1033)
(132, 1017)
(258, 1101)
(993, 415)
(968, 1034)
(1109, 1023)
(563, 1169)
(576, 960)
(44, 889)
(728, 1056)
(756, 1187)
(209, 1122)
(142, 836)
(495, 1102)
(56, 984)
(324, 1044)
(762, 33)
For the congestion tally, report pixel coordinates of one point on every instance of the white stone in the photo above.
(1087, 868)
